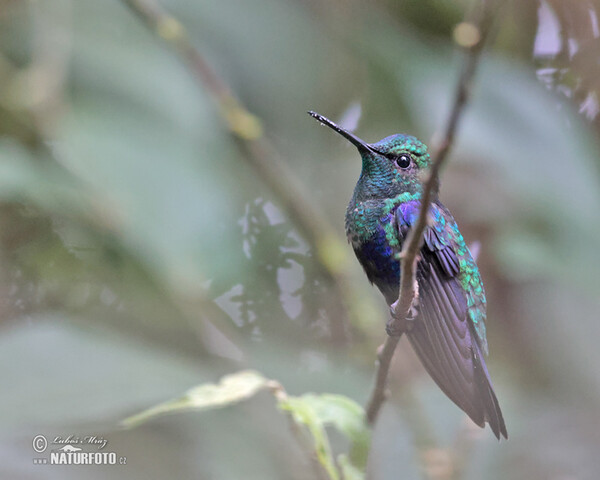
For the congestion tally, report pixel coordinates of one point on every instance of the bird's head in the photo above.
(390, 166)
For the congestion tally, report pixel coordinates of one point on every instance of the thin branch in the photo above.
(334, 258)
(480, 28)
(48, 71)
(379, 393)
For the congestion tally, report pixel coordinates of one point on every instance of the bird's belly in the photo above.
(380, 263)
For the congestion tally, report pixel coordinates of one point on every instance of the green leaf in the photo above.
(349, 471)
(314, 412)
(304, 413)
(348, 417)
(231, 389)
(318, 411)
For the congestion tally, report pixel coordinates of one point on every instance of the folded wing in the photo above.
(443, 336)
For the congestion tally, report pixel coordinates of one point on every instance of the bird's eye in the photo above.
(403, 161)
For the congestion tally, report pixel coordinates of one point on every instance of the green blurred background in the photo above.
(141, 253)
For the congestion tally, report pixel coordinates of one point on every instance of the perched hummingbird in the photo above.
(447, 330)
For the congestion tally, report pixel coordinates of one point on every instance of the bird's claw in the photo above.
(413, 312)
(395, 327)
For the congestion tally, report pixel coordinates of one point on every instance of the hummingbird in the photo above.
(447, 320)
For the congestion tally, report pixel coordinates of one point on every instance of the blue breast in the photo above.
(377, 258)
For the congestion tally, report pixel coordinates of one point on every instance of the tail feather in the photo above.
(447, 345)
(493, 414)
(476, 397)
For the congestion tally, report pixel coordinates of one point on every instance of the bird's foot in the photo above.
(413, 311)
(396, 326)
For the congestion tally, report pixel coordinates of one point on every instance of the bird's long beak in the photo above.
(360, 144)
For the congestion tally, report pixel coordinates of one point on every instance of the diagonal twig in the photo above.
(334, 259)
(479, 29)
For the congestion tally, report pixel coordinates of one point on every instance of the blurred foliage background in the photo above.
(143, 252)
